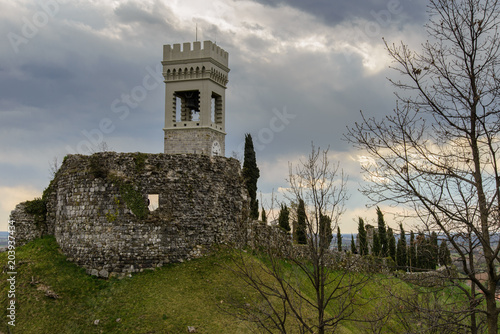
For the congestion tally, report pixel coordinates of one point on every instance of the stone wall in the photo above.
(28, 227)
(97, 209)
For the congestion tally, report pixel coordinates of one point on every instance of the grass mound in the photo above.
(56, 296)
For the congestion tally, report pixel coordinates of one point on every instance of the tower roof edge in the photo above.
(174, 52)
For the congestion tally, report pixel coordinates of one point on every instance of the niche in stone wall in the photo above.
(154, 202)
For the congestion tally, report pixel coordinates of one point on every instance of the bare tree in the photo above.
(430, 310)
(54, 167)
(305, 288)
(437, 152)
(101, 147)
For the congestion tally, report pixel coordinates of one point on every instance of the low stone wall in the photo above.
(97, 209)
(427, 278)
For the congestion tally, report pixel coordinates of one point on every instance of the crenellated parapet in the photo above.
(172, 53)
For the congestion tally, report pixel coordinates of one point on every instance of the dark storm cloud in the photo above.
(49, 72)
(336, 12)
(323, 97)
(133, 12)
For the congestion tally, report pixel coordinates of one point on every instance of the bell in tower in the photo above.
(192, 100)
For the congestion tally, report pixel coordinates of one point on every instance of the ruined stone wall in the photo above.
(27, 226)
(97, 209)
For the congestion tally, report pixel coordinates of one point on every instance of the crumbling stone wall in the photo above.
(97, 209)
(27, 226)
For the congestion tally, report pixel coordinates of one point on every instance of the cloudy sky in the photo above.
(301, 70)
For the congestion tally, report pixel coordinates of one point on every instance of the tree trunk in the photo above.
(491, 309)
(472, 301)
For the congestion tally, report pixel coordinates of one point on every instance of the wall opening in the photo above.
(195, 115)
(212, 109)
(153, 202)
(178, 108)
(216, 108)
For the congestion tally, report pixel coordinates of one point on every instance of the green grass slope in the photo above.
(53, 295)
(166, 300)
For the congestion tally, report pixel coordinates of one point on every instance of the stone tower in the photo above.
(195, 85)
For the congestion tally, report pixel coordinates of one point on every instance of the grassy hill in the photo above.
(167, 300)
(55, 296)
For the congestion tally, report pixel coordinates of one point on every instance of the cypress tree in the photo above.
(444, 254)
(326, 235)
(421, 251)
(412, 257)
(295, 226)
(284, 218)
(376, 249)
(339, 239)
(427, 253)
(263, 216)
(434, 250)
(251, 173)
(301, 233)
(447, 254)
(401, 249)
(363, 244)
(353, 245)
(382, 236)
(399, 253)
(391, 244)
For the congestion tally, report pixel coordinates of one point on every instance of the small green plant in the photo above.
(140, 161)
(37, 207)
(134, 200)
(111, 217)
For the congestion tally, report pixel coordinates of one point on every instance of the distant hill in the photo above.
(3, 238)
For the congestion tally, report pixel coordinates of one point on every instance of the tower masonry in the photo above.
(195, 85)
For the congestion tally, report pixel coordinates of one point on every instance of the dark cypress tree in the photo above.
(428, 253)
(444, 254)
(301, 233)
(382, 234)
(447, 254)
(326, 235)
(295, 226)
(401, 249)
(376, 249)
(339, 239)
(363, 244)
(421, 251)
(263, 216)
(412, 257)
(353, 245)
(399, 253)
(251, 173)
(434, 250)
(391, 243)
(284, 218)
